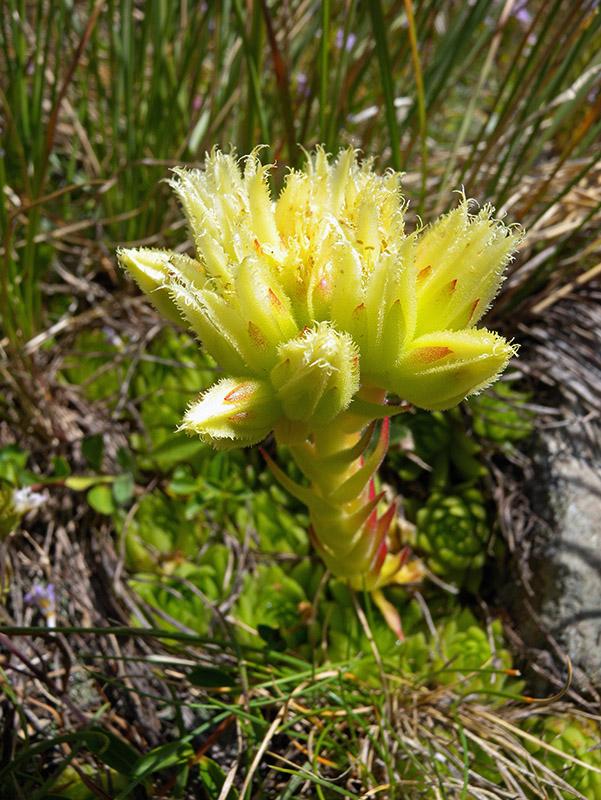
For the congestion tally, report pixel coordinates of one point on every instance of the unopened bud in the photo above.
(150, 270)
(460, 262)
(317, 375)
(439, 369)
(234, 413)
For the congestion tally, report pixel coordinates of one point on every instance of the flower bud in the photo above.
(317, 375)
(460, 262)
(150, 270)
(439, 369)
(234, 413)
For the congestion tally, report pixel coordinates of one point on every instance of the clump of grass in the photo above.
(101, 99)
(270, 723)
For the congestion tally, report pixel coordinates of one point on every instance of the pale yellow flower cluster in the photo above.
(303, 299)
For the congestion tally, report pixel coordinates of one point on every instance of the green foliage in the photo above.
(271, 601)
(347, 640)
(577, 737)
(169, 377)
(213, 778)
(500, 415)
(13, 462)
(75, 784)
(160, 533)
(461, 653)
(440, 442)
(168, 545)
(96, 365)
(186, 592)
(100, 497)
(471, 657)
(268, 512)
(171, 374)
(15, 497)
(452, 531)
(9, 516)
(432, 434)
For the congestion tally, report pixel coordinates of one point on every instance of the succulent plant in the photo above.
(159, 534)
(440, 440)
(452, 531)
(316, 305)
(461, 654)
(272, 600)
(578, 737)
(278, 528)
(431, 433)
(472, 657)
(163, 385)
(500, 416)
(186, 590)
(92, 350)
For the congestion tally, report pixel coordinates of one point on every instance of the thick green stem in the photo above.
(342, 501)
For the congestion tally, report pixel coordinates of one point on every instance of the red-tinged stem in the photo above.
(341, 497)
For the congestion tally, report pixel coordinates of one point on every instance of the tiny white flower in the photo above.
(26, 499)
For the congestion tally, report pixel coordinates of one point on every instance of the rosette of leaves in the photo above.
(578, 737)
(185, 596)
(276, 605)
(452, 531)
(171, 374)
(278, 528)
(471, 657)
(409, 657)
(431, 433)
(347, 640)
(440, 441)
(430, 437)
(500, 415)
(216, 485)
(462, 654)
(160, 534)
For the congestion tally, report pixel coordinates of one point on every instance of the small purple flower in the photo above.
(44, 598)
(523, 15)
(112, 337)
(347, 44)
(302, 84)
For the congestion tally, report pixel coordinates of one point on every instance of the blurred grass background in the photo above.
(100, 99)
(97, 101)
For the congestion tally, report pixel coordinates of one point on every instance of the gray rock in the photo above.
(562, 583)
